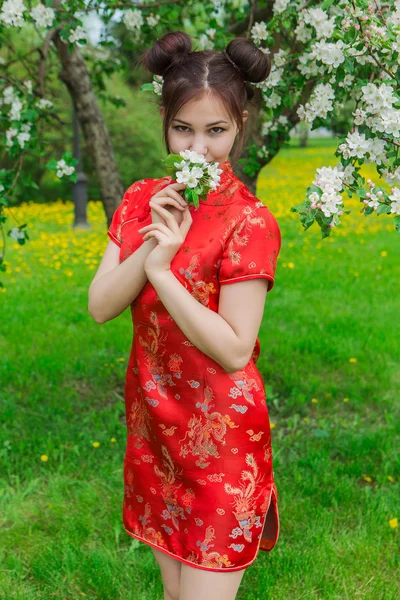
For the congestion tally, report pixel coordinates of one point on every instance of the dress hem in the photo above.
(202, 567)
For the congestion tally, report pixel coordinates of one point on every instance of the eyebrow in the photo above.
(209, 124)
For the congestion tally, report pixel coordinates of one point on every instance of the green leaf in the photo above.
(383, 209)
(171, 159)
(146, 87)
(300, 207)
(314, 188)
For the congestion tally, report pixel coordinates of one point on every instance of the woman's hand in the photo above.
(170, 238)
(171, 200)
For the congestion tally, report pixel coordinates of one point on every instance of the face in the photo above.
(203, 126)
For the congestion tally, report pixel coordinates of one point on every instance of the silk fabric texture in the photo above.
(198, 477)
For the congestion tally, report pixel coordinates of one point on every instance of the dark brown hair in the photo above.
(188, 74)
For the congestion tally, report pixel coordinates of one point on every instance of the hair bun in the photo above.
(252, 62)
(170, 50)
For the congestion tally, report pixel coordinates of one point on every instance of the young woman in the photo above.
(199, 485)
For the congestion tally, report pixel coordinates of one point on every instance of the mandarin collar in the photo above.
(225, 192)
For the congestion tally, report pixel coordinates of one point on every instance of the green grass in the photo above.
(335, 421)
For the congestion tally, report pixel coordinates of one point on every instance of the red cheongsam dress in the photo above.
(198, 477)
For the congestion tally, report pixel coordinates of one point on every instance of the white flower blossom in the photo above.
(347, 81)
(43, 103)
(15, 111)
(133, 19)
(158, 82)
(193, 156)
(16, 233)
(63, 168)
(377, 97)
(330, 54)
(152, 21)
(391, 176)
(273, 100)
(77, 34)
(395, 198)
(9, 95)
(10, 134)
(320, 103)
(347, 172)
(279, 58)
(302, 32)
(373, 200)
(330, 181)
(259, 32)
(12, 13)
(318, 18)
(23, 137)
(42, 15)
(280, 6)
(356, 145)
(240, 4)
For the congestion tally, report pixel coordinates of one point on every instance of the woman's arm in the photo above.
(116, 285)
(242, 303)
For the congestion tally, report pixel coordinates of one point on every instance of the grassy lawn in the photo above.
(330, 361)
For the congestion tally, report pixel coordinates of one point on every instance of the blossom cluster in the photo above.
(63, 168)
(190, 173)
(192, 168)
(330, 182)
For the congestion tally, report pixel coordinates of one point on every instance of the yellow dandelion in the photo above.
(394, 523)
(96, 444)
(328, 395)
(113, 439)
(345, 399)
(272, 425)
(44, 458)
(368, 479)
(122, 359)
(314, 400)
(391, 479)
(291, 265)
(383, 253)
(306, 419)
(353, 360)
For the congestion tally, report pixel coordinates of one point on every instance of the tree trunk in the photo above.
(76, 77)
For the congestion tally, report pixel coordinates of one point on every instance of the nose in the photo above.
(199, 146)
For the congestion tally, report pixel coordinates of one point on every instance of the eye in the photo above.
(181, 129)
(220, 128)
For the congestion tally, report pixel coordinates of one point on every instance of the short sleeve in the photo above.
(134, 206)
(130, 208)
(252, 249)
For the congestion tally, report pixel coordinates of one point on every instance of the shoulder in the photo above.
(254, 213)
(138, 194)
(147, 186)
